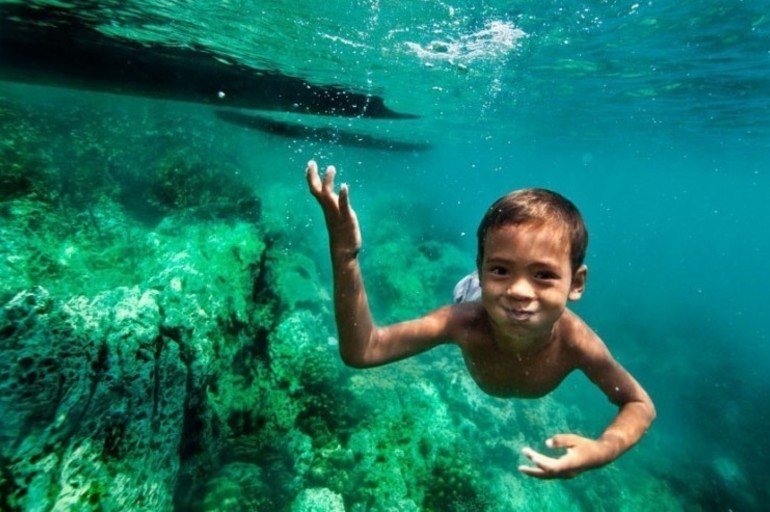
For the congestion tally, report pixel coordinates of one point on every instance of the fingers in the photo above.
(328, 182)
(317, 185)
(532, 471)
(545, 467)
(544, 474)
(313, 180)
(345, 200)
(542, 464)
(323, 190)
(540, 460)
(540, 470)
(567, 465)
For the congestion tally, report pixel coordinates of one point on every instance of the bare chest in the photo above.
(515, 375)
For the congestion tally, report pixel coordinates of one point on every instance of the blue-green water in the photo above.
(654, 118)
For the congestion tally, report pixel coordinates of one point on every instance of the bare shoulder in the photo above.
(465, 322)
(584, 345)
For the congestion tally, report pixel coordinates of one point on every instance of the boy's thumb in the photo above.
(562, 441)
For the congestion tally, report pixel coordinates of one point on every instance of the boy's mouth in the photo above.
(518, 314)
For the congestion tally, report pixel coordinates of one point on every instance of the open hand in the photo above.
(341, 220)
(582, 454)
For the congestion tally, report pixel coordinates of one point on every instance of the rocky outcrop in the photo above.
(93, 398)
(103, 398)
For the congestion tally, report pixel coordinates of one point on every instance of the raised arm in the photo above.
(362, 344)
(636, 413)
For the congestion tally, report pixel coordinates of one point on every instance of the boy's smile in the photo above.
(526, 281)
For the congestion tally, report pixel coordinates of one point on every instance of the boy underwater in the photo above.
(519, 340)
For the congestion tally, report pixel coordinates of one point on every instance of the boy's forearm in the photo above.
(631, 423)
(355, 325)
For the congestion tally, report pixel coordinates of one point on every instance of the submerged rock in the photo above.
(318, 500)
(104, 397)
(92, 388)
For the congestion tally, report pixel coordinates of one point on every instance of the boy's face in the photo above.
(526, 279)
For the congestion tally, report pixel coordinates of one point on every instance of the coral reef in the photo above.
(167, 342)
(318, 500)
(95, 397)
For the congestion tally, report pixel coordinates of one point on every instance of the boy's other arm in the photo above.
(636, 413)
(362, 344)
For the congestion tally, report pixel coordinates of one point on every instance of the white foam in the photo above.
(497, 39)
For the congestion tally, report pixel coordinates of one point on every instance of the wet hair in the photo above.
(540, 206)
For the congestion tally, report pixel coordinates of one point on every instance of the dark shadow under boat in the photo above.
(320, 134)
(63, 47)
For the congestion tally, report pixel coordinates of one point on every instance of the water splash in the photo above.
(497, 39)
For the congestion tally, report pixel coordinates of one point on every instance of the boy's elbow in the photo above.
(646, 410)
(355, 360)
(652, 413)
(360, 355)
(352, 361)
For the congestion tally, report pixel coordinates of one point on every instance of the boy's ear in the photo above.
(578, 283)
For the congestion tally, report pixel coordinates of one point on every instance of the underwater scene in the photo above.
(167, 320)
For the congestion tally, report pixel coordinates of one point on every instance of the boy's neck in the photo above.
(523, 345)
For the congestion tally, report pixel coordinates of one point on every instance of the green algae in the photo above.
(166, 346)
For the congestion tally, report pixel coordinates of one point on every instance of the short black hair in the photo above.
(538, 205)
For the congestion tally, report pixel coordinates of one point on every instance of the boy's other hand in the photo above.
(341, 220)
(582, 454)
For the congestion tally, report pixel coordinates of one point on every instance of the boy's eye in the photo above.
(498, 271)
(545, 274)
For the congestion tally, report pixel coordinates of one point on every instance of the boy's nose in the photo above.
(521, 289)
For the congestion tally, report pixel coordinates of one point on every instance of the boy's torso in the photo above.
(531, 373)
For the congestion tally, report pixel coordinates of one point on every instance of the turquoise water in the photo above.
(653, 118)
